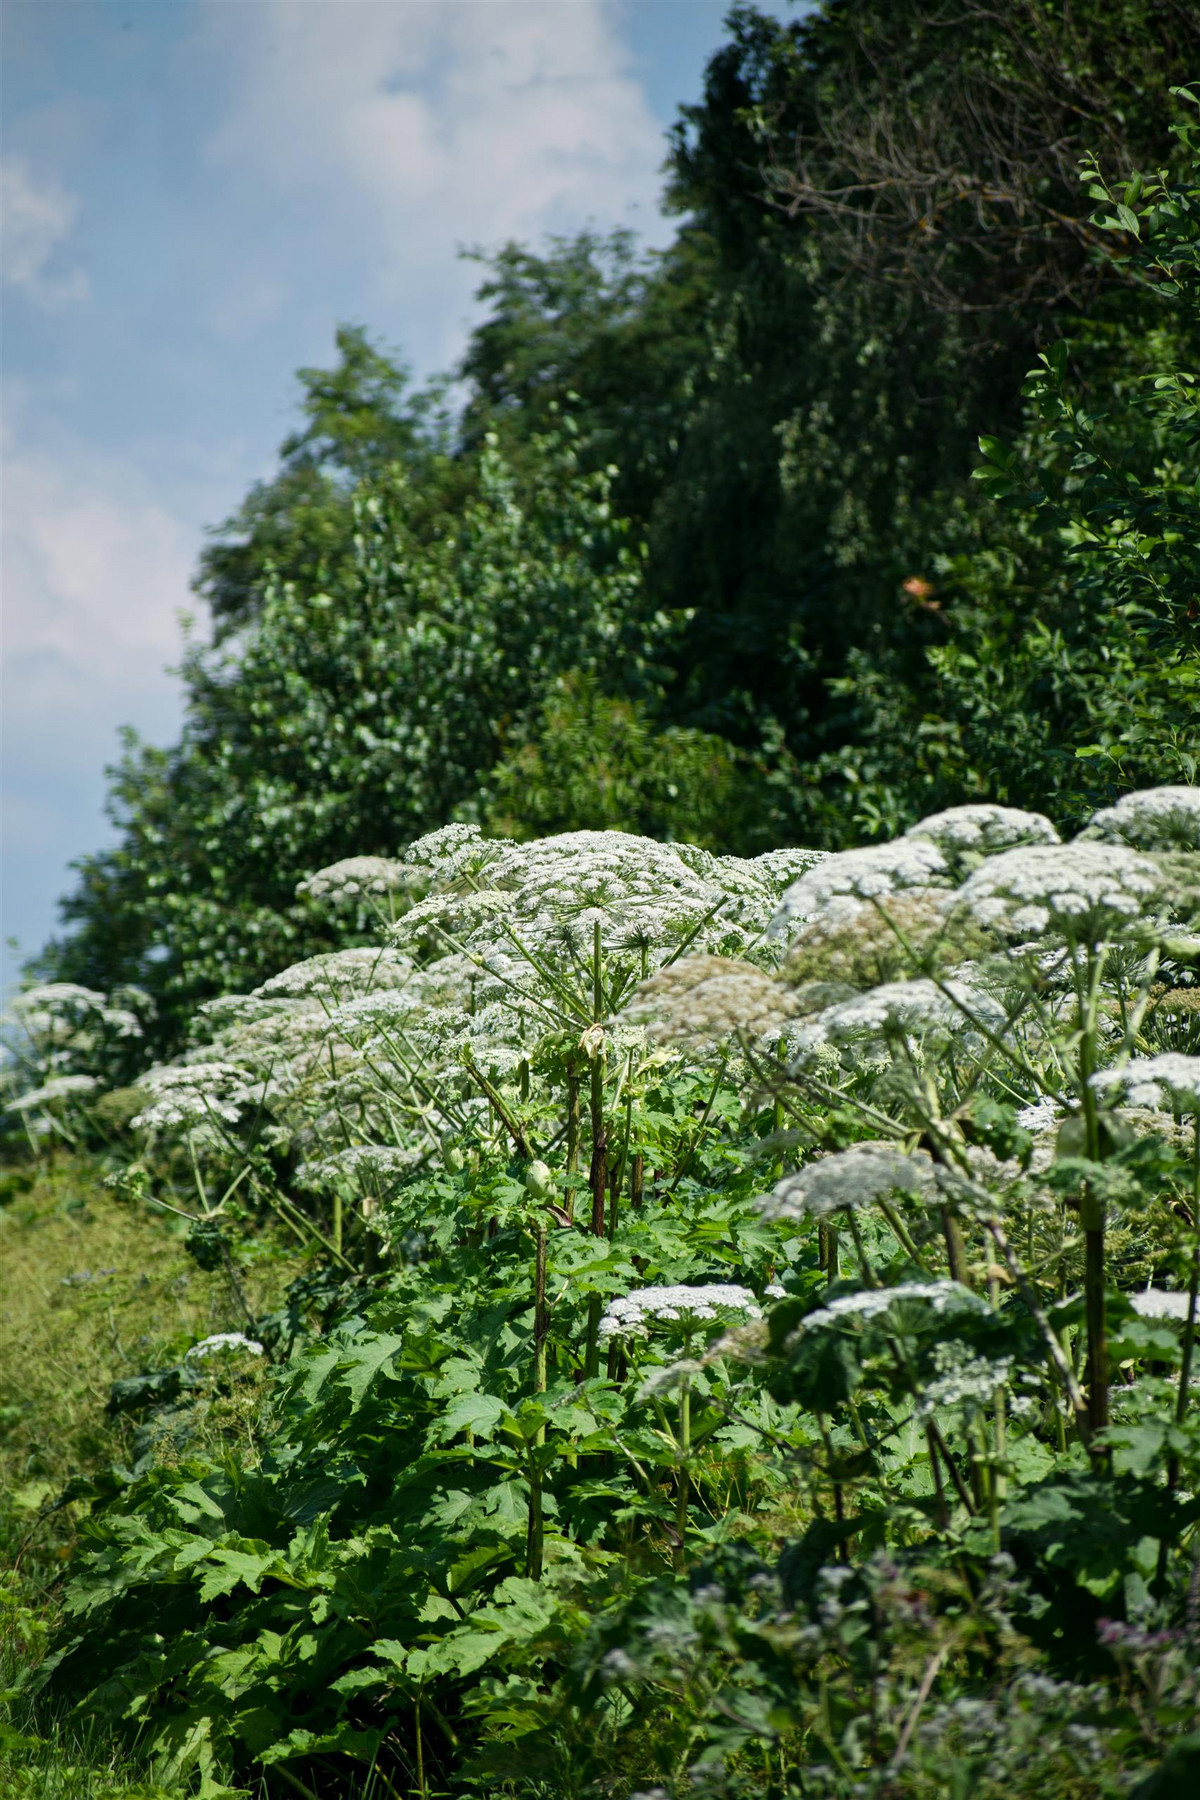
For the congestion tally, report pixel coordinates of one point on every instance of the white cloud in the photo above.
(38, 217)
(418, 126)
(95, 570)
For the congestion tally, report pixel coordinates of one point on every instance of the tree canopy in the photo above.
(701, 551)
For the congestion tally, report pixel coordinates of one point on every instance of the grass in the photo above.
(93, 1289)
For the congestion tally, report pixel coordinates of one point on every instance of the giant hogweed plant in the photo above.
(692, 1207)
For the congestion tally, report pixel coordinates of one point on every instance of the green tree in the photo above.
(1064, 661)
(349, 718)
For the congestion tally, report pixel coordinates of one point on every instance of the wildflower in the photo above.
(225, 1340)
(631, 1315)
(847, 1179)
(1170, 1080)
(1116, 1634)
(868, 1303)
(59, 1087)
(869, 873)
(961, 1379)
(1159, 1303)
(860, 943)
(544, 902)
(964, 832)
(190, 1094)
(1163, 818)
(376, 1159)
(339, 975)
(1040, 1116)
(450, 852)
(1084, 892)
(355, 876)
(901, 1009)
(702, 1000)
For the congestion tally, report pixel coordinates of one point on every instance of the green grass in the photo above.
(92, 1289)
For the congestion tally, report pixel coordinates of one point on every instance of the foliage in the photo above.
(591, 761)
(762, 1354)
(1067, 662)
(350, 719)
(782, 405)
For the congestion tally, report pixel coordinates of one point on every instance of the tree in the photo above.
(1067, 662)
(349, 718)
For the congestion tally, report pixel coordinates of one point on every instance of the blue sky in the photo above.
(195, 192)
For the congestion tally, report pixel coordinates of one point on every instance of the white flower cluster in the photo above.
(633, 1315)
(355, 876)
(900, 1009)
(870, 873)
(185, 1095)
(1040, 1116)
(847, 1179)
(1083, 892)
(224, 1340)
(700, 1001)
(370, 1159)
(1163, 818)
(451, 852)
(1170, 1081)
(668, 1379)
(1159, 1303)
(59, 1087)
(983, 830)
(961, 1379)
(339, 975)
(869, 1303)
(55, 1008)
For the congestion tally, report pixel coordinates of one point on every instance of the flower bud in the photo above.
(539, 1181)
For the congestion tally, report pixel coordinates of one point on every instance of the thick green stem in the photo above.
(827, 1249)
(1097, 1328)
(683, 1489)
(1092, 1211)
(956, 1251)
(572, 1122)
(541, 1317)
(1187, 1347)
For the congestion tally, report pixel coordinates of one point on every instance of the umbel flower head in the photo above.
(863, 943)
(866, 874)
(700, 1001)
(633, 1315)
(1082, 892)
(355, 876)
(59, 1087)
(846, 1180)
(871, 1303)
(964, 834)
(918, 1009)
(223, 1341)
(339, 975)
(1163, 818)
(1160, 1303)
(184, 1095)
(1170, 1081)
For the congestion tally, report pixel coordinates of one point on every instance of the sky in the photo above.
(194, 193)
